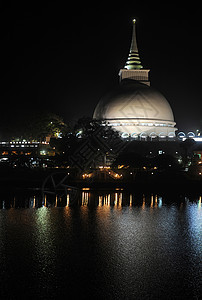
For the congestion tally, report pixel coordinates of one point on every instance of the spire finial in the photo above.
(133, 61)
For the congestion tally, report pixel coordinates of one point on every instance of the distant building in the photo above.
(135, 109)
(28, 148)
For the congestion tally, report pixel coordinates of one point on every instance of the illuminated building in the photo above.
(134, 108)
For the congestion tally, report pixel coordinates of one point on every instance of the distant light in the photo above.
(125, 135)
(3, 158)
(79, 133)
(171, 135)
(42, 152)
(198, 139)
(134, 20)
(181, 135)
(190, 134)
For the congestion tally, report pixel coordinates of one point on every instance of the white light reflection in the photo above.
(56, 201)
(100, 201)
(199, 203)
(104, 200)
(32, 202)
(107, 200)
(156, 201)
(160, 202)
(194, 226)
(152, 201)
(45, 201)
(44, 245)
(143, 202)
(67, 204)
(131, 200)
(118, 199)
(85, 198)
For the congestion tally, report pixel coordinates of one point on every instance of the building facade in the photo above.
(134, 108)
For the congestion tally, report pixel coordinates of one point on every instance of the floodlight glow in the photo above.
(134, 20)
(198, 139)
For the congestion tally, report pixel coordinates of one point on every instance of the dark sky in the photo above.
(63, 58)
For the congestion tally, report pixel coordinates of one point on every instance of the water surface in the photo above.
(109, 245)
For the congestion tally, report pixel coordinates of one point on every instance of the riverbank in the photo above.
(12, 179)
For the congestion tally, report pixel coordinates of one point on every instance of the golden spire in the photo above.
(133, 61)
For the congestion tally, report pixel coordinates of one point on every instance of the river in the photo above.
(111, 244)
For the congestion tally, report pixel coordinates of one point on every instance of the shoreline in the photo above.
(26, 179)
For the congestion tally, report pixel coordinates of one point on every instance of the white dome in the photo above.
(136, 108)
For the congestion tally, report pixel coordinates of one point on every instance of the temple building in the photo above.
(134, 108)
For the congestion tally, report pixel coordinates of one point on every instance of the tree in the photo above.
(39, 126)
(131, 159)
(165, 161)
(85, 126)
(187, 145)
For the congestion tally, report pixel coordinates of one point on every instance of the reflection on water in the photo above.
(199, 203)
(107, 244)
(86, 197)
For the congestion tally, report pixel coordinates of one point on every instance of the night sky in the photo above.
(63, 58)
